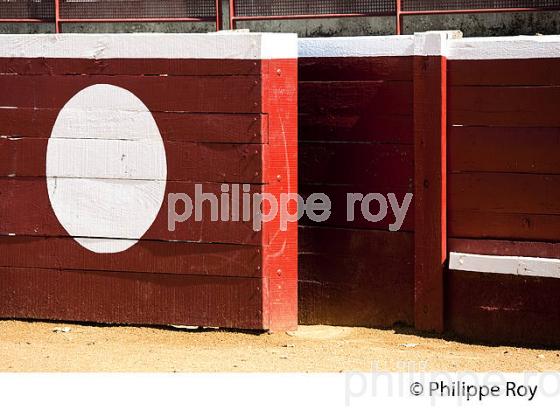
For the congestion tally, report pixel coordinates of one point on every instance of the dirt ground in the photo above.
(48, 347)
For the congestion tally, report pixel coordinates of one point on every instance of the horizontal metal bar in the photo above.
(403, 12)
(26, 21)
(136, 20)
(476, 11)
(310, 16)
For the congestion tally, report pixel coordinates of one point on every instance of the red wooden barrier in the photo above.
(89, 161)
(356, 136)
(375, 117)
(430, 143)
(485, 132)
(503, 190)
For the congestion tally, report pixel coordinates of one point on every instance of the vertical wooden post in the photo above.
(430, 129)
(280, 246)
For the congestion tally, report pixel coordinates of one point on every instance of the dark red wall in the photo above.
(356, 135)
(504, 195)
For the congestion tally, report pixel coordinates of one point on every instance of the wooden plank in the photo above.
(355, 242)
(503, 308)
(501, 225)
(505, 265)
(505, 248)
(390, 165)
(356, 277)
(174, 126)
(348, 47)
(86, 158)
(505, 193)
(504, 149)
(503, 48)
(355, 97)
(430, 224)
(347, 304)
(357, 127)
(180, 258)
(128, 66)
(131, 298)
(25, 209)
(355, 68)
(280, 243)
(371, 270)
(102, 46)
(506, 72)
(504, 106)
(218, 94)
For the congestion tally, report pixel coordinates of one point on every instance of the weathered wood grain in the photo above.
(108, 159)
(504, 106)
(216, 94)
(430, 195)
(174, 126)
(131, 298)
(165, 257)
(356, 277)
(503, 149)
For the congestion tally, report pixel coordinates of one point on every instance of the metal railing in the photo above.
(58, 12)
(253, 10)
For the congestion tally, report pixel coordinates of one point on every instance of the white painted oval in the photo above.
(106, 168)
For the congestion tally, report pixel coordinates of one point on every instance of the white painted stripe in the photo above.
(433, 43)
(509, 265)
(276, 46)
(255, 46)
(378, 46)
(499, 48)
(105, 208)
(223, 45)
(143, 159)
(82, 121)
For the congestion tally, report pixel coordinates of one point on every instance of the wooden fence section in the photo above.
(98, 131)
(474, 124)
(356, 136)
(504, 188)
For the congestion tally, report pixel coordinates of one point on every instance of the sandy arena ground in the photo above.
(44, 346)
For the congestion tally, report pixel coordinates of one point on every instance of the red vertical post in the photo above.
(57, 24)
(219, 15)
(399, 19)
(279, 251)
(232, 25)
(430, 132)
